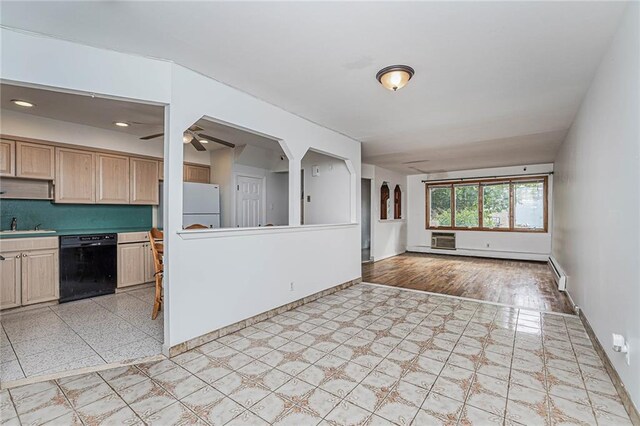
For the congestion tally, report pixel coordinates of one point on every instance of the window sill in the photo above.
(515, 231)
(391, 220)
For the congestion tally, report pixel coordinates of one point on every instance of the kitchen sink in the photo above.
(39, 231)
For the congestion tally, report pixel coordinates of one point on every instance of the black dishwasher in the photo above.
(88, 266)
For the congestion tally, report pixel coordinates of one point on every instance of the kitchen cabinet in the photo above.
(10, 277)
(135, 259)
(7, 157)
(193, 173)
(75, 180)
(29, 271)
(160, 170)
(35, 161)
(143, 181)
(112, 179)
(40, 282)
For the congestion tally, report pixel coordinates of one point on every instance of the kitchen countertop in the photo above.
(65, 232)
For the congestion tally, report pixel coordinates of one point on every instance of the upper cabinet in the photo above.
(35, 161)
(143, 181)
(112, 179)
(75, 176)
(199, 174)
(7, 157)
(161, 170)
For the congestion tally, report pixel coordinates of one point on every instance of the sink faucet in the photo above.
(37, 227)
(14, 224)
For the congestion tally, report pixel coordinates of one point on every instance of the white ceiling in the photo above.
(100, 112)
(497, 83)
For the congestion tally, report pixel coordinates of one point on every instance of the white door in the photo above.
(249, 204)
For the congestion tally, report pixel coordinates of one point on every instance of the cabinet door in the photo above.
(40, 277)
(35, 161)
(161, 170)
(10, 277)
(199, 174)
(144, 181)
(112, 179)
(150, 269)
(7, 158)
(75, 176)
(131, 264)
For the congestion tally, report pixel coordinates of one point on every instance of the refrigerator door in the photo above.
(201, 198)
(210, 220)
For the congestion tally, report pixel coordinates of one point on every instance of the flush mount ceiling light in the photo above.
(22, 103)
(395, 77)
(121, 123)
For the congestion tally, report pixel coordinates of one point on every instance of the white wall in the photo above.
(253, 268)
(389, 237)
(510, 245)
(278, 198)
(596, 232)
(330, 191)
(31, 126)
(222, 174)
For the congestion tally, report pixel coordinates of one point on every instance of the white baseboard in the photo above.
(386, 256)
(542, 257)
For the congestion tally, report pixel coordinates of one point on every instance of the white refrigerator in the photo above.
(200, 205)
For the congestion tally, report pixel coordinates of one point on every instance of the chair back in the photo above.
(197, 226)
(156, 238)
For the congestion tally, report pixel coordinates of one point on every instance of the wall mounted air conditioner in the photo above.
(443, 240)
(558, 274)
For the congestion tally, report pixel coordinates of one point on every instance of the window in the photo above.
(517, 204)
(440, 208)
(495, 206)
(397, 202)
(467, 213)
(529, 209)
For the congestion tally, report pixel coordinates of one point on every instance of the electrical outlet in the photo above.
(291, 287)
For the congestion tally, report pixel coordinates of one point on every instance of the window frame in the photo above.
(481, 182)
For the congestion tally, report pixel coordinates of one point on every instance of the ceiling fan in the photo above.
(193, 136)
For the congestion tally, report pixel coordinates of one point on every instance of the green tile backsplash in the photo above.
(72, 216)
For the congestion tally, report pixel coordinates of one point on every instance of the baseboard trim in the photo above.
(632, 410)
(492, 254)
(215, 334)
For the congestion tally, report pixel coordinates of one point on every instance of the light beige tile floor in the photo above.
(85, 333)
(365, 355)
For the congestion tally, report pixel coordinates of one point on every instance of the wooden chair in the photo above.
(156, 238)
(196, 226)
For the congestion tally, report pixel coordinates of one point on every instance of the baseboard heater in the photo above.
(560, 277)
(443, 240)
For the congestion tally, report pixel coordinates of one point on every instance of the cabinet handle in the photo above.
(17, 256)
(24, 254)
(2, 257)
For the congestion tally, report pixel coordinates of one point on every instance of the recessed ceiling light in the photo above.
(121, 123)
(395, 77)
(22, 103)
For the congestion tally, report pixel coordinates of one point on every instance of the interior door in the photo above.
(249, 203)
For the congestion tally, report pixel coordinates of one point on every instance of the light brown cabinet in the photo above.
(160, 170)
(40, 281)
(135, 264)
(29, 271)
(112, 179)
(75, 176)
(199, 174)
(143, 181)
(10, 278)
(35, 161)
(7, 157)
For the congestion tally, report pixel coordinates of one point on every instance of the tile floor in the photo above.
(90, 332)
(365, 355)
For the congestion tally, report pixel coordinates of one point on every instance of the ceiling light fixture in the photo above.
(187, 137)
(395, 77)
(121, 123)
(22, 103)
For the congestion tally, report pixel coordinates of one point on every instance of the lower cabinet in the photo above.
(28, 276)
(135, 263)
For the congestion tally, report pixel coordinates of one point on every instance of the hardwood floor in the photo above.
(520, 283)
